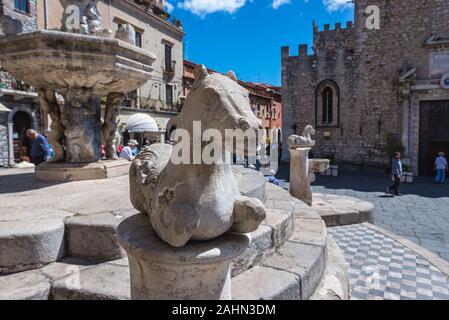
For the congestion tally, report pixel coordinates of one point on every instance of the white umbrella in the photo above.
(141, 123)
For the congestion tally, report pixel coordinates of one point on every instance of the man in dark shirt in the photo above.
(39, 147)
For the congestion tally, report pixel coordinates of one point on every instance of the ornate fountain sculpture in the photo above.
(303, 169)
(196, 209)
(82, 63)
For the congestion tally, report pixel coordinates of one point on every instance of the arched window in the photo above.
(327, 98)
(327, 104)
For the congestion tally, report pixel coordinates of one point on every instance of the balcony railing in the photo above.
(8, 82)
(169, 69)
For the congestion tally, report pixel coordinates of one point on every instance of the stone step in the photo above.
(37, 284)
(293, 271)
(337, 210)
(30, 244)
(251, 183)
(95, 236)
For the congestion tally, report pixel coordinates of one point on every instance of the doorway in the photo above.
(21, 143)
(433, 133)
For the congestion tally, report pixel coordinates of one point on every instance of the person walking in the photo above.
(40, 151)
(441, 168)
(397, 173)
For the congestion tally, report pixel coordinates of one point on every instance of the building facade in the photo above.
(19, 103)
(266, 101)
(156, 32)
(371, 91)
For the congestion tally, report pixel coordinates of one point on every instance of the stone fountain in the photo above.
(82, 63)
(193, 220)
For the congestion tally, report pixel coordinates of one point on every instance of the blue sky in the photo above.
(246, 35)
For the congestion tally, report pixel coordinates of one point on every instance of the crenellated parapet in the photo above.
(332, 38)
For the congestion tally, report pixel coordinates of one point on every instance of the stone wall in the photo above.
(366, 65)
(4, 149)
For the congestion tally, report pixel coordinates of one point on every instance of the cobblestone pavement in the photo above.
(420, 215)
(380, 268)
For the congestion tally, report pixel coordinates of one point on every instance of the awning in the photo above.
(3, 108)
(140, 122)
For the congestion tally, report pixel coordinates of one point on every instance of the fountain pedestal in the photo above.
(82, 69)
(302, 173)
(66, 172)
(198, 271)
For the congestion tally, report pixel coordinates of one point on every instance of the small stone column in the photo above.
(198, 271)
(299, 175)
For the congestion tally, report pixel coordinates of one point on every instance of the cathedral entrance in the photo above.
(433, 134)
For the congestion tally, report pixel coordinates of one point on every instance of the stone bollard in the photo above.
(198, 271)
(299, 175)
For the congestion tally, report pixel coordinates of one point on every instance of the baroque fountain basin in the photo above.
(62, 61)
(83, 69)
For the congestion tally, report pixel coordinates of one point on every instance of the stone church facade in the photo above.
(369, 92)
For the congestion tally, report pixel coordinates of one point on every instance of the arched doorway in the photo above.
(21, 144)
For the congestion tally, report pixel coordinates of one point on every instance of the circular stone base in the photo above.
(198, 271)
(339, 210)
(66, 172)
(30, 244)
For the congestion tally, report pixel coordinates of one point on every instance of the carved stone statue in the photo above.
(109, 128)
(90, 21)
(198, 202)
(304, 141)
(49, 105)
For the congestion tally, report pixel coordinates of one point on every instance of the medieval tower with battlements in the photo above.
(371, 91)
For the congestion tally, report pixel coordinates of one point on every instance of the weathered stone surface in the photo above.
(265, 283)
(307, 262)
(65, 267)
(66, 172)
(339, 210)
(281, 223)
(95, 236)
(30, 244)
(261, 245)
(251, 183)
(299, 175)
(197, 271)
(103, 282)
(334, 284)
(28, 285)
(309, 231)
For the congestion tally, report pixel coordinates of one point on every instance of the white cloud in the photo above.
(169, 7)
(335, 5)
(277, 3)
(204, 7)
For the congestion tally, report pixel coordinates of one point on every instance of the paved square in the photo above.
(381, 268)
(421, 215)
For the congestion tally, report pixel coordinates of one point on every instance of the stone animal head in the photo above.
(309, 131)
(219, 102)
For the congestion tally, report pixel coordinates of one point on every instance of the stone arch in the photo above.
(34, 125)
(327, 104)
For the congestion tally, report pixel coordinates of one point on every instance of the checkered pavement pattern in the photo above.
(383, 269)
